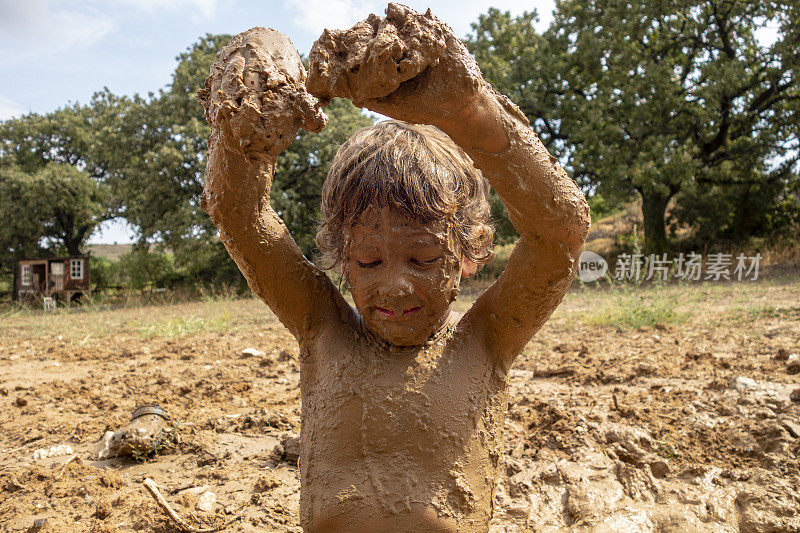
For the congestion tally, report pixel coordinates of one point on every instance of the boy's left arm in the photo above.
(411, 67)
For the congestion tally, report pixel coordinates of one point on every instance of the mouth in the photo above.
(391, 315)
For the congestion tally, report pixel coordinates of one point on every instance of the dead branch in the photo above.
(151, 486)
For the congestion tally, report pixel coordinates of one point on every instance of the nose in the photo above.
(398, 285)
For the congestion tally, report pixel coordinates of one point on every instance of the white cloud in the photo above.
(33, 28)
(9, 108)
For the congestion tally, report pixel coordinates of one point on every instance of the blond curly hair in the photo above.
(415, 169)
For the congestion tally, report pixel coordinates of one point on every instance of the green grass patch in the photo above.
(753, 312)
(628, 310)
(179, 326)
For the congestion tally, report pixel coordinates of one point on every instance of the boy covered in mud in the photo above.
(403, 399)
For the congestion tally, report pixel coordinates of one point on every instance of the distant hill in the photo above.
(111, 252)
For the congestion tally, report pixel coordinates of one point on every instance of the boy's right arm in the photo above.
(255, 101)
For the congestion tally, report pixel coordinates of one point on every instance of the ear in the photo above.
(468, 268)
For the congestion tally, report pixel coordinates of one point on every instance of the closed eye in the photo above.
(370, 264)
(425, 262)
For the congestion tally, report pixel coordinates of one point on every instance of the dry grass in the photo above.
(619, 306)
(98, 320)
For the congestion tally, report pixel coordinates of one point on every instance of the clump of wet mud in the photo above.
(371, 59)
(255, 95)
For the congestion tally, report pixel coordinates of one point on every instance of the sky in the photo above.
(57, 52)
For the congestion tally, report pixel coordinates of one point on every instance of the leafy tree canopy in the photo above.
(659, 98)
(50, 211)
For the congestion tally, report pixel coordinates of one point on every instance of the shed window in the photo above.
(76, 268)
(26, 274)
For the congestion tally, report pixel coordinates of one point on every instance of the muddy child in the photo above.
(403, 399)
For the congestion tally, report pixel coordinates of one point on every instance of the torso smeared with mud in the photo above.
(399, 439)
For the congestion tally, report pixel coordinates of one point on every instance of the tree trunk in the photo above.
(654, 207)
(73, 240)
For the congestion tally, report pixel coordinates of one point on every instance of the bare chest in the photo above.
(423, 405)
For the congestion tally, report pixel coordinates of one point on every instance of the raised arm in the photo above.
(255, 101)
(546, 207)
(411, 67)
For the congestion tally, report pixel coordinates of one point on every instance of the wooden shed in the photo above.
(64, 278)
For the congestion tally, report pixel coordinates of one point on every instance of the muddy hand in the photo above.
(255, 98)
(408, 65)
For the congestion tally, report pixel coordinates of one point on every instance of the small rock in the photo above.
(792, 427)
(252, 352)
(782, 355)
(742, 383)
(206, 502)
(266, 482)
(659, 468)
(795, 396)
(764, 413)
(793, 368)
(53, 451)
(20, 401)
(103, 509)
(291, 448)
(38, 525)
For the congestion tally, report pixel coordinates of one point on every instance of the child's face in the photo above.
(403, 275)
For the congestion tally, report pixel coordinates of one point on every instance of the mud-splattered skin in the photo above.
(399, 439)
(403, 275)
(403, 403)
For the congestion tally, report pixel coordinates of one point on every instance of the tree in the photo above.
(657, 98)
(158, 160)
(21, 213)
(59, 188)
(52, 210)
(72, 206)
(69, 135)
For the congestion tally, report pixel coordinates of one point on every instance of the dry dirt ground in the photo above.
(660, 408)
